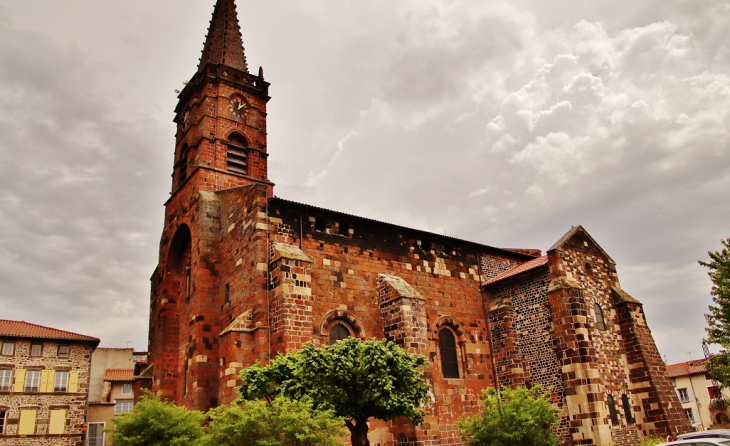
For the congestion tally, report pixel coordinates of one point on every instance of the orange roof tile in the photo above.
(693, 367)
(119, 375)
(22, 329)
(527, 266)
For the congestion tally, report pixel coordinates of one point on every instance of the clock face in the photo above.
(238, 108)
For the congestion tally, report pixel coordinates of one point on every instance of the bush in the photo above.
(517, 417)
(153, 422)
(282, 423)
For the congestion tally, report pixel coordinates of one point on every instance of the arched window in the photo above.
(338, 331)
(237, 154)
(447, 349)
(600, 322)
(627, 409)
(612, 410)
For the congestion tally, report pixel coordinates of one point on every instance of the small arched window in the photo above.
(183, 163)
(627, 409)
(237, 154)
(589, 269)
(339, 331)
(612, 410)
(600, 322)
(447, 349)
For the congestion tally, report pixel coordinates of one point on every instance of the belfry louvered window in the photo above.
(447, 348)
(237, 155)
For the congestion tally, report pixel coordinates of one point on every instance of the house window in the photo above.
(600, 322)
(339, 331)
(60, 383)
(32, 380)
(36, 349)
(612, 410)
(683, 395)
(8, 348)
(627, 409)
(127, 389)
(57, 423)
(690, 414)
(237, 154)
(63, 351)
(714, 392)
(123, 406)
(95, 436)
(447, 349)
(6, 377)
(3, 414)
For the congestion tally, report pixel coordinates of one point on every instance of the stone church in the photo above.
(244, 275)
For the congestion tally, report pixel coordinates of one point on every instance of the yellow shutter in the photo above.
(44, 381)
(19, 380)
(51, 380)
(27, 422)
(73, 382)
(58, 422)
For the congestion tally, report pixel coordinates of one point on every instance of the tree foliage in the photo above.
(153, 422)
(718, 319)
(517, 417)
(284, 422)
(356, 379)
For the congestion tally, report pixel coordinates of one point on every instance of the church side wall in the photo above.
(348, 255)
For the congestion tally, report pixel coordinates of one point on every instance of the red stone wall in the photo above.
(349, 254)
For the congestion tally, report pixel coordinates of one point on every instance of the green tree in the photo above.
(284, 422)
(356, 379)
(718, 319)
(153, 422)
(517, 417)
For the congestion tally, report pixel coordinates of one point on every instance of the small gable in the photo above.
(579, 239)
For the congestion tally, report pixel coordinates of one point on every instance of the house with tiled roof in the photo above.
(703, 402)
(114, 372)
(44, 384)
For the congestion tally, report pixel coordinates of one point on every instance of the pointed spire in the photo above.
(223, 44)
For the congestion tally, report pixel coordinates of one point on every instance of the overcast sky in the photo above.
(502, 122)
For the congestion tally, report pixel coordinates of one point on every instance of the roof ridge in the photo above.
(396, 225)
(79, 336)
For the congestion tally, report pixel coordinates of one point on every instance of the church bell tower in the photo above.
(221, 113)
(220, 144)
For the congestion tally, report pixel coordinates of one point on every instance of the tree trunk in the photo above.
(358, 432)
